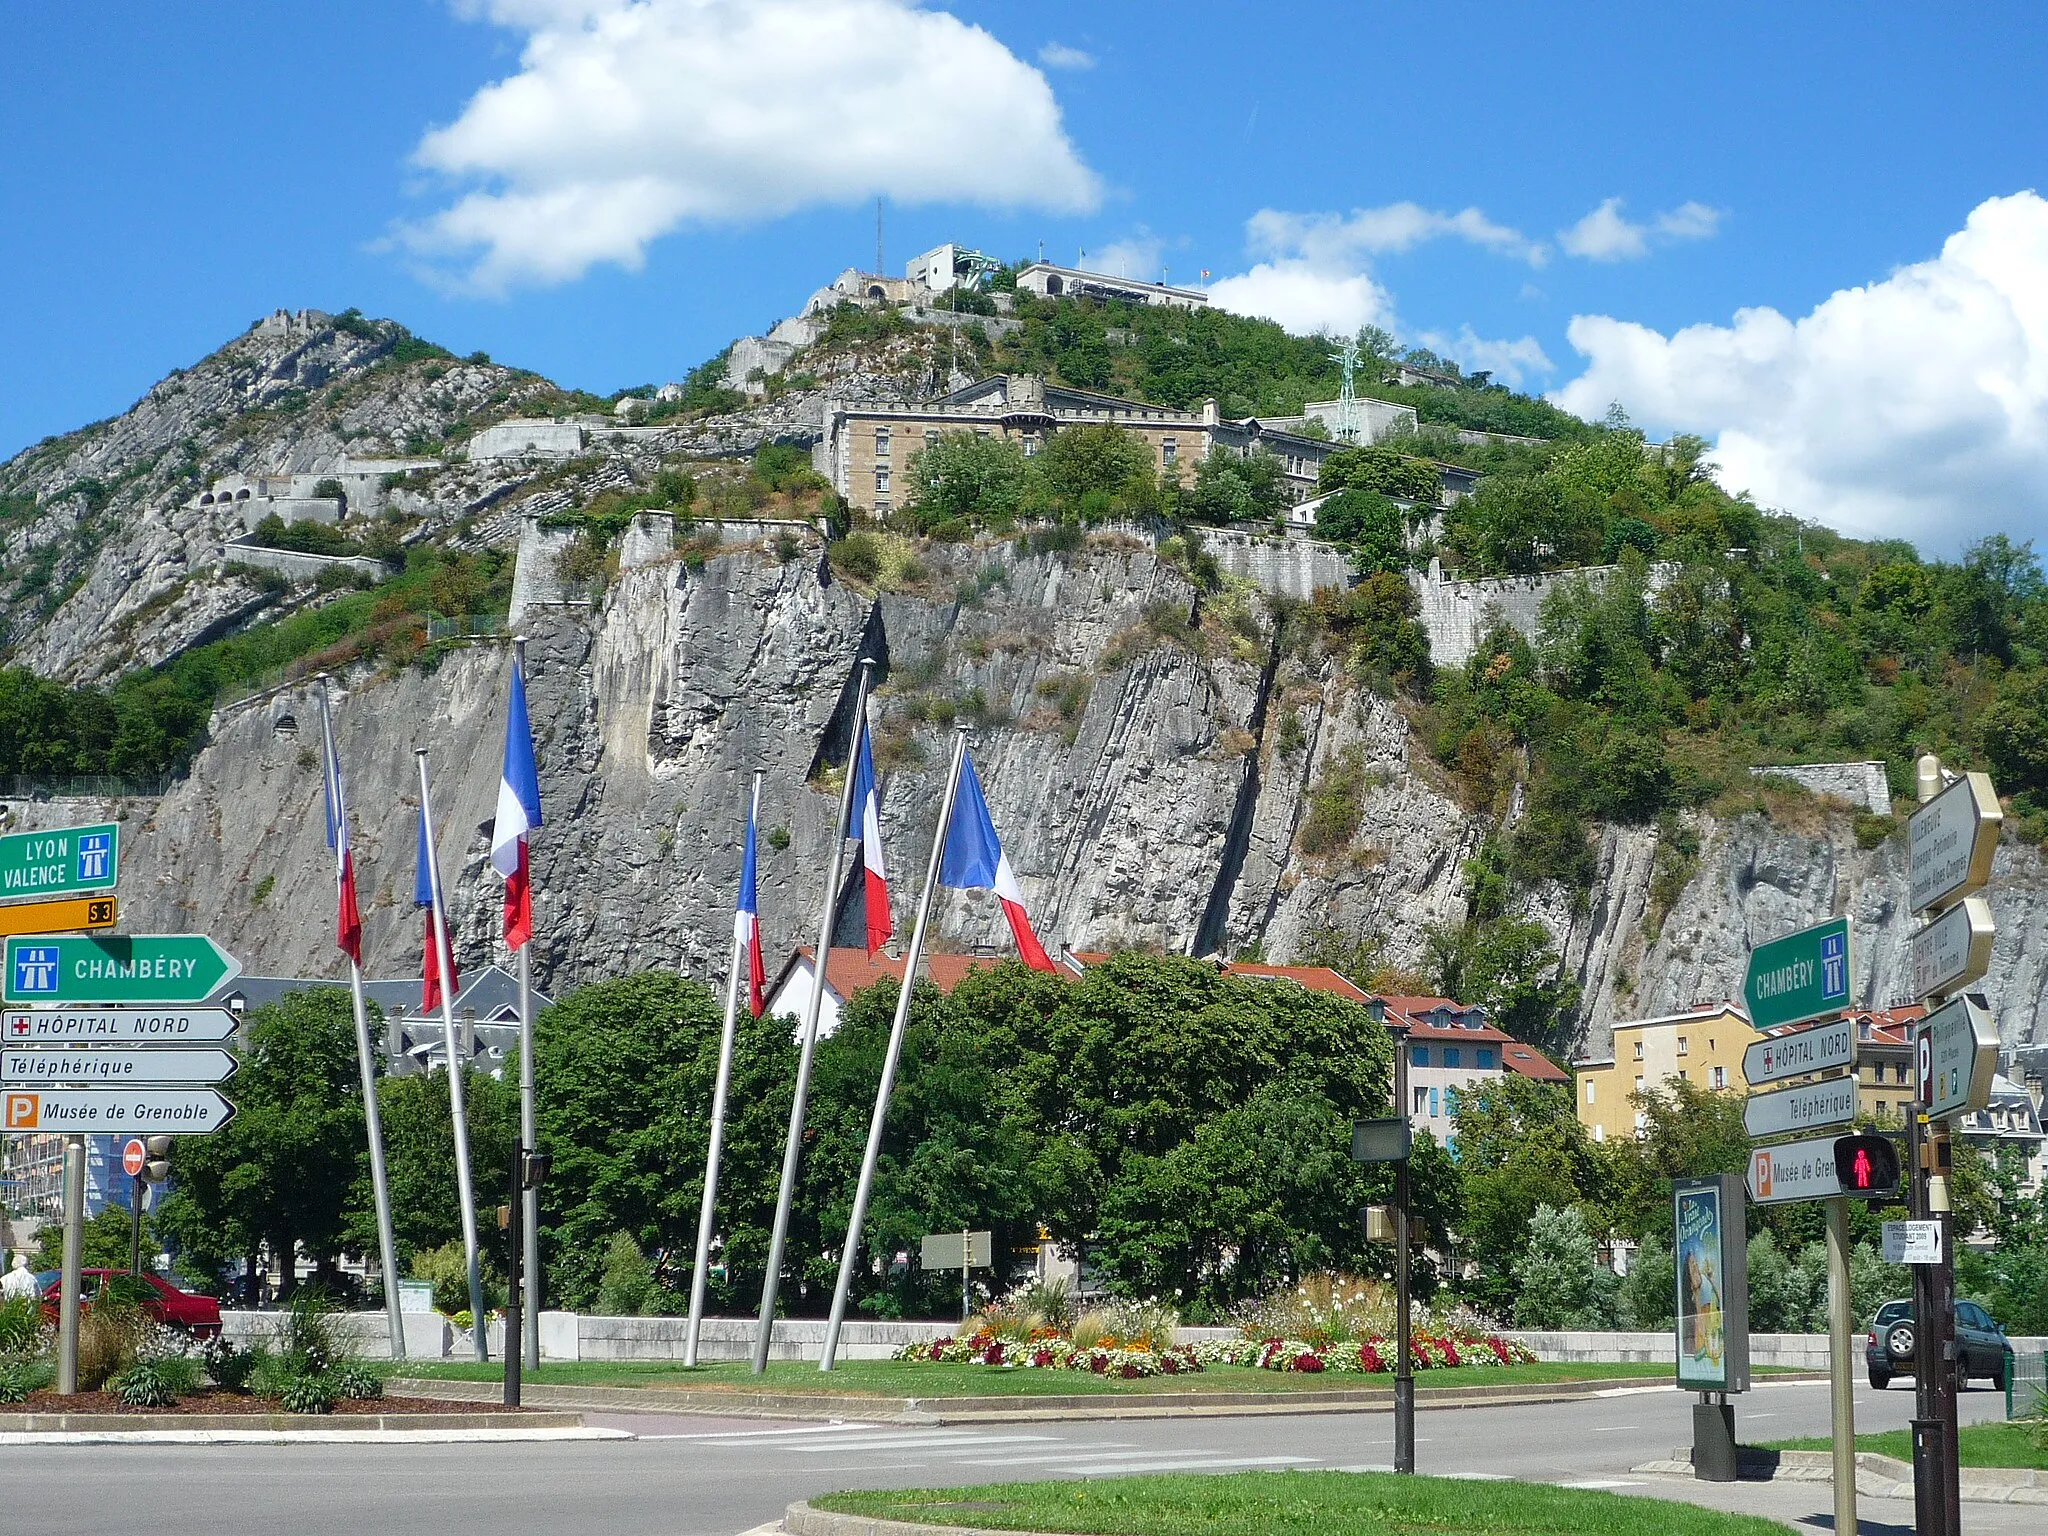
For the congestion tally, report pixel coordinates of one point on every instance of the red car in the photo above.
(197, 1315)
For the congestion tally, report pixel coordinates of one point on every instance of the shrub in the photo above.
(21, 1326)
(446, 1269)
(18, 1378)
(156, 1383)
(228, 1366)
(627, 1287)
(358, 1382)
(857, 556)
(111, 1332)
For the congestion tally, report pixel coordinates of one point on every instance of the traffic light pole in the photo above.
(1841, 1365)
(1404, 1368)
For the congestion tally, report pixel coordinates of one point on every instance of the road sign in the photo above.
(1796, 1170)
(65, 859)
(1821, 1048)
(1912, 1242)
(117, 1026)
(133, 1157)
(1802, 1108)
(1381, 1141)
(1952, 838)
(146, 1064)
(1804, 975)
(1955, 949)
(1957, 1053)
(114, 1111)
(958, 1250)
(1869, 1167)
(68, 915)
(145, 968)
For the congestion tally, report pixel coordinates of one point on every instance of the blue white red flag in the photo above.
(975, 861)
(746, 925)
(518, 814)
(867, 803)
(423, 896)
(348, 921)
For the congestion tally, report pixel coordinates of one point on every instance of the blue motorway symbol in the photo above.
(95, 850)
(1834, 967)
(35, 968)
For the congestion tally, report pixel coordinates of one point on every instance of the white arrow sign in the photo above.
(1958, 1053)
(1798, 1170)
(117, 1026)
(1804, 1108)
(117, 1067)
(1912, 1242)
(1953, 950)
(114, 1111)
(1821, 1048)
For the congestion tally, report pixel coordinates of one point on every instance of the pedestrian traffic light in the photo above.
(1867, 1166)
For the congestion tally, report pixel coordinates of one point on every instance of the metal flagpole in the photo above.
(528, 1105)
(792, 1153)
(479, 1329)
(373, 1123)
(706, 1209)
(851, 1252)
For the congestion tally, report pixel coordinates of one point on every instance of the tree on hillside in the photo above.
(1520, 1147)
(1383, 472)
(1369, 526)
(964, 479)
(1097, 470)
(1230, 489)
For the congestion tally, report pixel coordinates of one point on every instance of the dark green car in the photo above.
(1981, 1349)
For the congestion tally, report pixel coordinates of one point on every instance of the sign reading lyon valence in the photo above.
(1802, 1108)
(1801, 976)
(144, 968)
(1952, 838)
(1953, 950)
(67, 859)
(1822, 1048)
(1797, 1170)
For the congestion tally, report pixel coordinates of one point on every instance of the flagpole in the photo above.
(849, 1254)
(529, 1112)
(705, 1210)
(380, 1183)
(792, 1153)
(479, 1328)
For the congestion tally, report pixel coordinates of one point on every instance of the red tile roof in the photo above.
(1528, 1062)
(849, 970)
(1317, 978)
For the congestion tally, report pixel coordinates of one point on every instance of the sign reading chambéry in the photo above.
(1801, 976)
(144, 968)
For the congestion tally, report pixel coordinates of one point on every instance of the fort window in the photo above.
(881, 442)
(1053, 285)
(1639, 1050)
(1168, 449)
(1684, 1048)
(881, 482)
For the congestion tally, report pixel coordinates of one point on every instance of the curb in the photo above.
(802, 1520)
(1881, 1477)
(982, 1410)
(276, 1423)
(310, 1437)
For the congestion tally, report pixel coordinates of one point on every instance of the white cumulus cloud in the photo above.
(1914, 407)
(1607, 234)
(1310, 270)
(1511, 362)
(1060, 56)
(629, 118)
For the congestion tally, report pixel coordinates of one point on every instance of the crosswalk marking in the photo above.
(938, 1440)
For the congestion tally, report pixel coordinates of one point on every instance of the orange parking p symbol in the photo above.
(24, 1111)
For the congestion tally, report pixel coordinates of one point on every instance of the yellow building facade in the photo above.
(1703, 1045)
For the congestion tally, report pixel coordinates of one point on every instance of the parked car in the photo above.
(197, 1315)
(1981, 1349)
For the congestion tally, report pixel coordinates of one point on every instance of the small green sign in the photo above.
(1804, 975)
(143, 968)
(65, 859)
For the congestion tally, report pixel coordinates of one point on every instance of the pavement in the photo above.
(703, 1476)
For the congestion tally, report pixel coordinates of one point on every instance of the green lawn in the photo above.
(1293, 1504)
(890, 1378)
(1982, 1445)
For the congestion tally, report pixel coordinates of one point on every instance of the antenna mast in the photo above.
(1347, 394)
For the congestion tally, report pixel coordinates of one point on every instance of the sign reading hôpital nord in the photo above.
(117, 1026)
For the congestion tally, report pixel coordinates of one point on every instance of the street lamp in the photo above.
(529, 1172)
(1390, 1141)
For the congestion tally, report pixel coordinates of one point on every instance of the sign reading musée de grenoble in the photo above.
(65, 859)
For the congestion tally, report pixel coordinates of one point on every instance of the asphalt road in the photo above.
(691, 1476)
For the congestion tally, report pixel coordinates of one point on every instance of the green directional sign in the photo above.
(143, 968)
(1804, 975)
(66, 859)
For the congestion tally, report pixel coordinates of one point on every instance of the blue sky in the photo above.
(174, 172)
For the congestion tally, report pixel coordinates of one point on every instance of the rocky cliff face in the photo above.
(1151, 763)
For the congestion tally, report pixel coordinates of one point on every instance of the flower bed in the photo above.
(1047, 1351)
(1371, 1357)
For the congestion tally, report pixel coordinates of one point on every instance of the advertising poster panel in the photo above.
(1709, 1245)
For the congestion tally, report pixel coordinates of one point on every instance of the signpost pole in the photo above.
(1404, 1366)
(74, 1235)
(515, 1264)
(529, 1115)
(135, 1248)
(793, 1150)
(850, 1253)
(1841, 1367)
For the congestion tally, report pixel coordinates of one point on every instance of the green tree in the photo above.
(1510, 965)
(1097, 469)
(281, 1173)
(1367, 524)
(1375, 627)
(1687, 1131)
(1233, 489)
(419, 1157)
(1649, 1291)
(1519, 1146)
(1559, 1278)
(967, 480)
(1382, 472)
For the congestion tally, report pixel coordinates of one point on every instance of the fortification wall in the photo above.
(1861, 784)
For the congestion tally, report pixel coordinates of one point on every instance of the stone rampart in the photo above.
(1861, 784)
(298, 564)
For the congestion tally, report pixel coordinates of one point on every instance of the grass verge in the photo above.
(890, 1378)
(1292, 1504)
(2023, 1444)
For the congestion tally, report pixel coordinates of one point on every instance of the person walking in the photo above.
(20, 1281)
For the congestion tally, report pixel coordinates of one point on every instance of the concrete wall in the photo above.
(1802, 1351)
(1457, 614)
(515, 439)
(1286, 567)
(1861, 784)
(427, 1334)
(300, 566)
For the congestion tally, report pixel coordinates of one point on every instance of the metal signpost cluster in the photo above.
(99, 1038)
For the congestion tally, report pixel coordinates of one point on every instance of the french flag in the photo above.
(518, 814)
(423, 896)
(975, 861)
(348, 922)
(746, 923)
(869, 809)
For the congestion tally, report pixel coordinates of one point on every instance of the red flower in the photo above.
(1369, 1357)
(1130, 1369)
